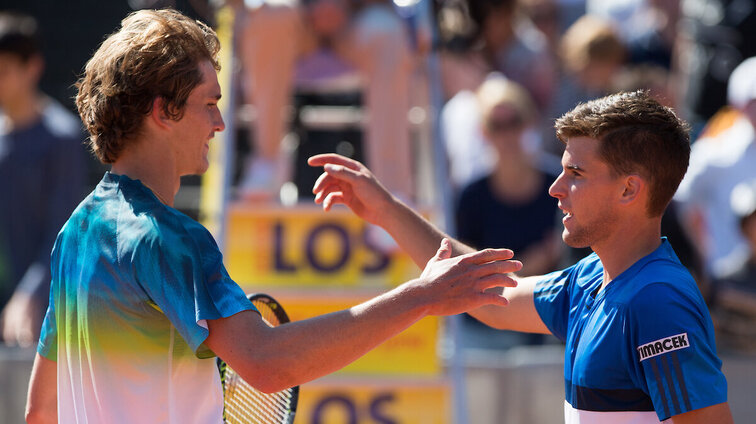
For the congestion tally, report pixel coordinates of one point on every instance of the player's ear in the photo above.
(633, 188)
(157, 114)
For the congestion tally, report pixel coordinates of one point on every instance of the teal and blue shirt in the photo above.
(640, 350)
(133, 283)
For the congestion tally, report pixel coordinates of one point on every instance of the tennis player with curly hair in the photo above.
(140, 299)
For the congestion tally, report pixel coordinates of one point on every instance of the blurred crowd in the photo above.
(508, 69)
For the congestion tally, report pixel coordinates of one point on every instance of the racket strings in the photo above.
(267, 313)
(243, 404)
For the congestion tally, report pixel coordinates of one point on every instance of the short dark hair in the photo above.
(19, 35)
(637, 135)
(156, 53)
(480, 10)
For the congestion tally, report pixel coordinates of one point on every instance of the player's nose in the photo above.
(557, 187)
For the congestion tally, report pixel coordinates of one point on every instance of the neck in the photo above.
(23, 112)
(627, 246)
(157, 171)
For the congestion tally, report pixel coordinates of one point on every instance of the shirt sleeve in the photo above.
(675, 359)
(182, 271)
(552, 300)
(48, 339)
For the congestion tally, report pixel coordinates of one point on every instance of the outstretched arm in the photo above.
(42, 400)
(715, 414)
(275, 358)
(349, 182)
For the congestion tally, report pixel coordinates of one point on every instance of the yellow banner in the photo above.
(411, 352)
(303, 246)
(211, 188)
(374, 402)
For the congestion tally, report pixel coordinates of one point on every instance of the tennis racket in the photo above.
(244, 404)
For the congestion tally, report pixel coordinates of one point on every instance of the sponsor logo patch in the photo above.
(667, 344)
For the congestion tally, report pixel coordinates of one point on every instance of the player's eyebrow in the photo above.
(573, 167)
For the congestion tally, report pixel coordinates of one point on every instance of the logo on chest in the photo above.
(661, 346)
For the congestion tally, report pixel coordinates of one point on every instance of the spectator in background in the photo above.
(470, 155)
(369, 36)
(545, 16)
(591, 56)
(714, 36)
(735, 296)
(718, 162)
(42, 169)
(518, 51)
(496, 38)
(647, 27)
(511, 205)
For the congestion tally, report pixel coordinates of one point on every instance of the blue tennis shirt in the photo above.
(640, 350)
(133, 284)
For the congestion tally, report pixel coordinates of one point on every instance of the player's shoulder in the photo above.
(663, 285)
(177, 233)
(582, 275)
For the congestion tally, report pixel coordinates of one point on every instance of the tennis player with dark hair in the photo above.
(139, 291)
(639, 339)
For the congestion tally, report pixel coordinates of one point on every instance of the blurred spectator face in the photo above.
(593, 52)
(328, 17)
(506, 110)
(545, 16)
(504, 128)
(497, 29)
(18, 78)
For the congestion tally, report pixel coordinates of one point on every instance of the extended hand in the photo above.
(455, 285)
(349, 182)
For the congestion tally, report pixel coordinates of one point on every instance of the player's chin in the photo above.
(574, 240)
(202, 167)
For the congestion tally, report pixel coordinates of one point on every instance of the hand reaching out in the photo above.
(455, 285)
(349, 182)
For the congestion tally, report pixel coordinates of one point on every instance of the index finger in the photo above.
(326, 158)
(486, 255)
